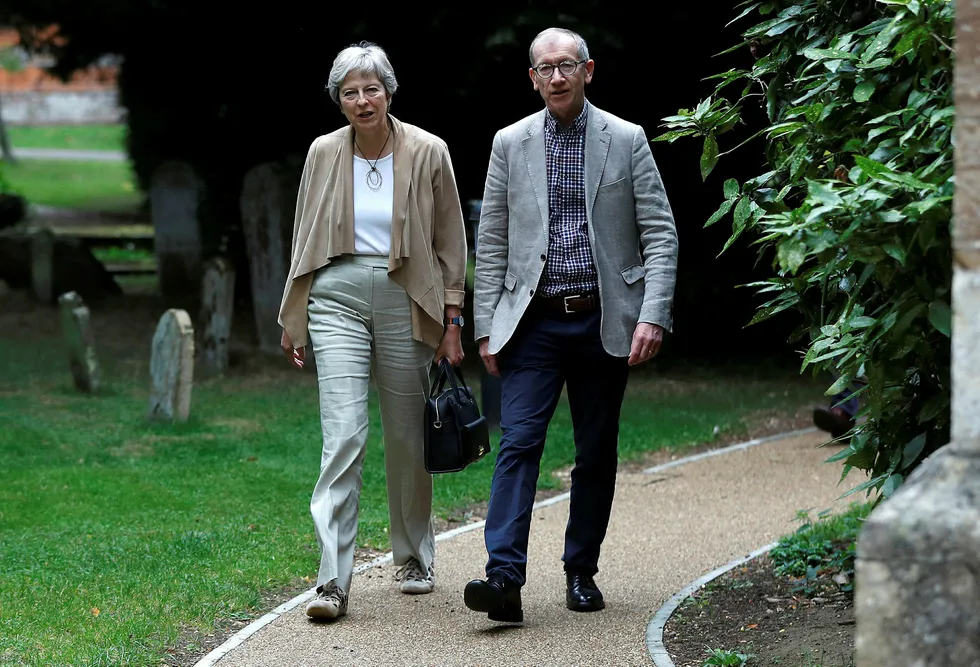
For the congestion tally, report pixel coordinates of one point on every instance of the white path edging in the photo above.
(655, 629)
(239, 637)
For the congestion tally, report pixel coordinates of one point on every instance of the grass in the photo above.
(76, 137)
(105, 186)
(140, 530)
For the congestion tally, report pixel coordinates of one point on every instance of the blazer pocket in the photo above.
(633, 274)
(510, 282)
(614, 184)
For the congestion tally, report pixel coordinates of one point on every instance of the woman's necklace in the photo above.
(373, 177)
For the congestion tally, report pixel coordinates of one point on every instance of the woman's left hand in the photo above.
(450, 347)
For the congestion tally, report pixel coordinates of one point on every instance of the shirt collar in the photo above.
(577, 127)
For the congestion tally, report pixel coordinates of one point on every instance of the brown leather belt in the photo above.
(572, 303)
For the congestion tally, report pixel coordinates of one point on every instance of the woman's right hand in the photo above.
(295, 356)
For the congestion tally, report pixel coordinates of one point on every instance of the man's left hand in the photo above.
(646, 342)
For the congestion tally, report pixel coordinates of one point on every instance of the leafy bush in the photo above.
(820, 548)
(855, 210)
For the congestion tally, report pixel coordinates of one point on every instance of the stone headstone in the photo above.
(268, 205)
(172, 367)
(76, 325)
(176, 198)
(217, 307)
(42, 264)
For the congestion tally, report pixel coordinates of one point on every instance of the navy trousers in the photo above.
(550, 351)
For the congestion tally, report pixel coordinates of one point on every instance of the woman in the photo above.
(377, 278)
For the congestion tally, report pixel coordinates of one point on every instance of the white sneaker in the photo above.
(330, 602)
(415, 580)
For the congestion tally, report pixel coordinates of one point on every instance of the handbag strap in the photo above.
(447, 372)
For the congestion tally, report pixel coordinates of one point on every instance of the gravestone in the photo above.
(917, 590)
(217, 307)
(172, 367)
(76, 325)
(42, 264)
(268, 206)
(176, 200)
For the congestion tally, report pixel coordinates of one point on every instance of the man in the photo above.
(575, 270)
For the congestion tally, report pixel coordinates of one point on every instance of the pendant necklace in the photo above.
(373, 177)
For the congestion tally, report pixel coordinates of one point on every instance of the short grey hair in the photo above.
(363, 58)
(551, 33)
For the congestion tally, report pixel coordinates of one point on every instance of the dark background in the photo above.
(227, 88)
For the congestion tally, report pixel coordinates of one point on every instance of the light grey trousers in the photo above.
(360, 321)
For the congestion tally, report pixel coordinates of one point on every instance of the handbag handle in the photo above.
(448, 372)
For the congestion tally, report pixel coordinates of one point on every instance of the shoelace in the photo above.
(411, 570)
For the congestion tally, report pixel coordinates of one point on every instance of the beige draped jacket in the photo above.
(428, 239)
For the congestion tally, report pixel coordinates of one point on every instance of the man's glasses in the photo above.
(567, 68)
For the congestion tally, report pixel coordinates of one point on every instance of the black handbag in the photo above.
(456, 434)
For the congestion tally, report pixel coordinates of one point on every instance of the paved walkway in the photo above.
(69, 154)
(669, 527)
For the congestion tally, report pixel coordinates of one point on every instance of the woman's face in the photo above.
(364, 101)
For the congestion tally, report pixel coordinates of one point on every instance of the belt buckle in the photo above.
(566, 299)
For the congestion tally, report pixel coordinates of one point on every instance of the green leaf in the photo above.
(895, 251)
(823, 194)
(863, 91)
(731, 189)
(791, 254)
(709, 156)
(941, 317)
(746, 12)
(891, 485)
(742, 211)
(722, 211)
(933, 407)
(881, 173)
(673, 135)
(828, 54)
(940, 115)
(842, 383)
(912, 451)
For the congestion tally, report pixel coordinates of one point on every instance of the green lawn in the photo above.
(105, 186)
(78, 137)
(116, 534)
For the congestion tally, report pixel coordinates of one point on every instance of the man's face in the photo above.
(563, 95)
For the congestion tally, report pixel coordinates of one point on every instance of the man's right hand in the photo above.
(489, 360)
(296, 356)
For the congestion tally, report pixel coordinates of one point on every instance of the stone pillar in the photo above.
(268, 205)
(176, 201)
(918, 567)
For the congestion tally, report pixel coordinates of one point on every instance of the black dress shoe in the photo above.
(581, 593)
(497, 597)
(834, 421)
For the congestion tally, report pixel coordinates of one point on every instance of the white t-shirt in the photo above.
(373, 209)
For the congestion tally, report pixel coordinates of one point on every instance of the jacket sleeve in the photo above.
(658, 235)
(449, 232)
(492, 240)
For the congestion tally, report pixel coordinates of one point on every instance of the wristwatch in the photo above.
(458, 320)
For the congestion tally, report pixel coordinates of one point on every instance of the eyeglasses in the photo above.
(567, 68)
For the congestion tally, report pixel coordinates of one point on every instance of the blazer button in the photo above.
(544, 258)
(532, 293)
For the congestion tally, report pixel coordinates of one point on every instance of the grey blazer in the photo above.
(631, 230)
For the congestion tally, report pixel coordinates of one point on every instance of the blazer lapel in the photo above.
(596, 151)
(537, 166)
(403, 167)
